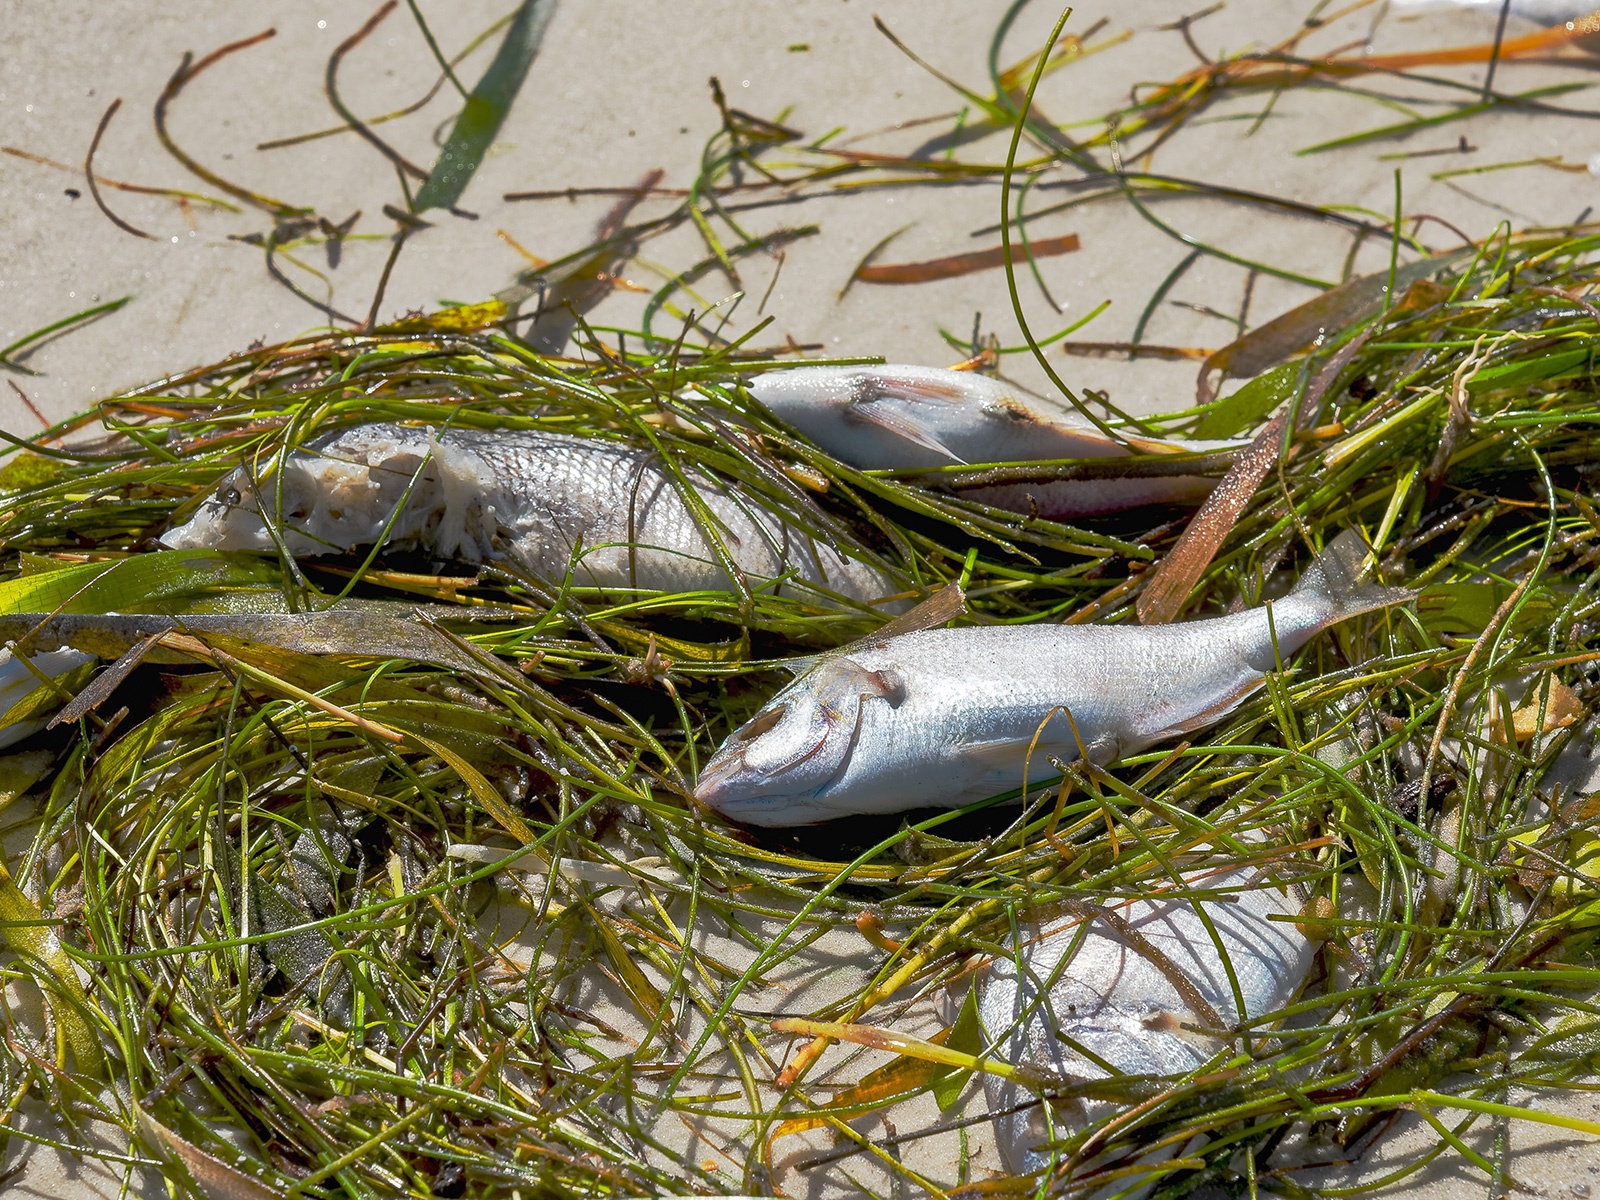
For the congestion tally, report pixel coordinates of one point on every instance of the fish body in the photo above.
(552, 503)
(947, 717)
(20, 680)
(903, 417)
(1115, 999)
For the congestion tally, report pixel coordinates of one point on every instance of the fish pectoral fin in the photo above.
(800, 664)
(1002, 753)
(886, 684)
(938, 609)
(884, 416)
(948, 603)
(1214, 711)
(943, 387)
(1012, 756)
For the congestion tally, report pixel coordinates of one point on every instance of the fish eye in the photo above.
(761, 723)
(229, 495)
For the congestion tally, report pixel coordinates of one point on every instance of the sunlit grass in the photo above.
(270, 866)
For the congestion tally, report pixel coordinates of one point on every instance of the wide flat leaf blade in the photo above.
(486, 108)
(967, 1035)
(1293, 331)
(167, 579)
(1171, 582)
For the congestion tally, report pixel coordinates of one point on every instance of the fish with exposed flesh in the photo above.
(947, 717)
(1144, 991)
(605, 511)
(903, 417)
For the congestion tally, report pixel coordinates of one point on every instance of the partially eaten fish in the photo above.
(947, 717)
(900, 417)
(605, 511)
(1143, 991)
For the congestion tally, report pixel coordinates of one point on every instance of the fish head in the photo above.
(228, 519)
(775, 768)
(321, 500)
(815, 400)
(231, 517)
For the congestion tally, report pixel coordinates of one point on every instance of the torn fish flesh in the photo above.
(947, 717)
(605, 511)
(903, 417)
(20, 679)
(1141, 990)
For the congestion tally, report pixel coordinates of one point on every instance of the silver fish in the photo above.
(946, 717)
(549, 502)
(20, 679)
(897, 417)
(1116, 998)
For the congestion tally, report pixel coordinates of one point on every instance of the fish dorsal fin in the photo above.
(881, 412)
(945, 605)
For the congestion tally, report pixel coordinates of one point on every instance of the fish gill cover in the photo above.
(365, 873)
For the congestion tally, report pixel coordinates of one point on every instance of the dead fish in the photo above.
(898, 417)
(1143, 991)
(551, 503)
(947, 717)
(20, 679)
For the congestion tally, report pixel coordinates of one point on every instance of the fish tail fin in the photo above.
(1339, 577)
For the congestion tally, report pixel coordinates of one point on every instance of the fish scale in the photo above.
(605, 510)
(1113, 999)
(948, 717)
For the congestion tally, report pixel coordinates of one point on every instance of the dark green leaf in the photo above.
(486, 108)
(29, 471)
(967, 1037)
(1533, 370)
(1467, 608)
(140, 582)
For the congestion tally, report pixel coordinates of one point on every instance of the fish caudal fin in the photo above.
(1339, 577)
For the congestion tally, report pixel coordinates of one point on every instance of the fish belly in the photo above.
(1116, 1002)
(1064, 499)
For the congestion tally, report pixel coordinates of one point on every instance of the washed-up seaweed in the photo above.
(269, 858)
(374, 873)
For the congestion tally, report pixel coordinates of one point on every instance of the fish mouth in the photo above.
(727, 787)
(715, 789)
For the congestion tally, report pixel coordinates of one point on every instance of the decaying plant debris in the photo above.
(371, 875)
(271, 856)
